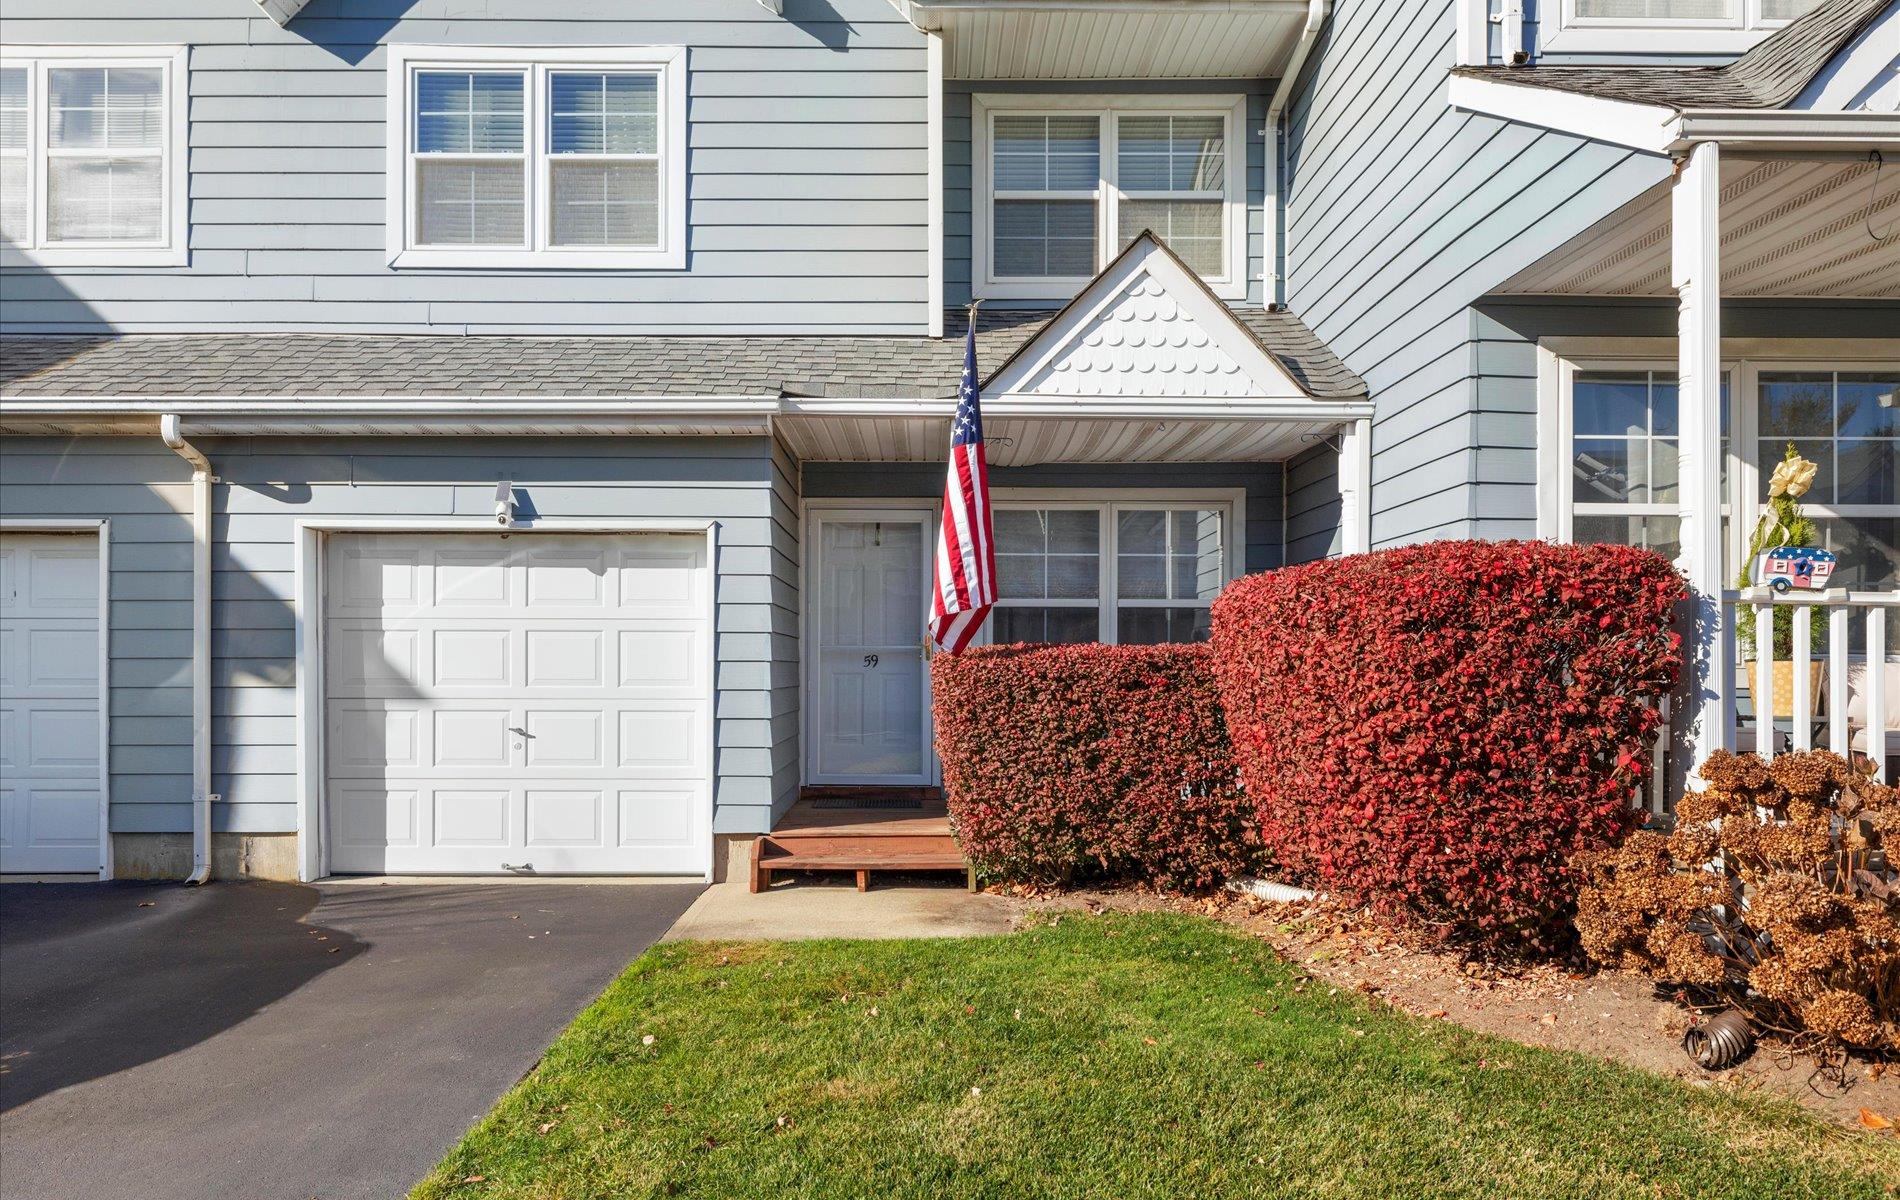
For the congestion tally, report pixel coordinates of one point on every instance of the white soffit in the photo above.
(1029, 441)
(1144, 330)
(1791, 227)
(1111, 39)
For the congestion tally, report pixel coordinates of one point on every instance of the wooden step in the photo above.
(861, 854)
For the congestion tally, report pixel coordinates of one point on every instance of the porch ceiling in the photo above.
(1791, 227)
(1111, 39)
(1028, 441)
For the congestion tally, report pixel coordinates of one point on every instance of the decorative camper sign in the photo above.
(1787, 568)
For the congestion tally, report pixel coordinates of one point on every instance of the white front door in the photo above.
(49, 703)
(534, 702)
(871, 674)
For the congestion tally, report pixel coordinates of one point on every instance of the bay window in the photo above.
(1065, 183)
(568, 158)
(92, 156)
(1141, 571)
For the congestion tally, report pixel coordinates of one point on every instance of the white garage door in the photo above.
(534, 702)
(49, 703)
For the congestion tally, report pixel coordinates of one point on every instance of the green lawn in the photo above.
(1116, 1057)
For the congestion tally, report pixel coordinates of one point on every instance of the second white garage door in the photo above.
(527, 703)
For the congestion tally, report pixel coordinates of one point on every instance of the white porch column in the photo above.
(1695, 256)
(1355, 486)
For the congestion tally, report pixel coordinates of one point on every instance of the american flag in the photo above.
(966, 558)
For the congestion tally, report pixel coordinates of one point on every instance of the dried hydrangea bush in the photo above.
(1773, 894)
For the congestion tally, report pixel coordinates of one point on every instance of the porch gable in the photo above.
(1145, 329)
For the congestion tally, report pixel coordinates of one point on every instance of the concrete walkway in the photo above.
(275, 1040)
(832, 907)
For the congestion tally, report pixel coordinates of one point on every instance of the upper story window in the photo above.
(1064, 183)
(568, 158)
(1665, 26)
(92, 156)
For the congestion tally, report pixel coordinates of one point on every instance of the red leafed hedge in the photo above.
(1090, 761)
(1438, 729)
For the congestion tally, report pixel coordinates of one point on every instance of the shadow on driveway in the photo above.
(212, 1045)
(86, 970)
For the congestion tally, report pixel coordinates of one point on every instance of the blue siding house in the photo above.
(458, 440)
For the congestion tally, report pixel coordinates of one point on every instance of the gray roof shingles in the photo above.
(292, 365)
(1768, 76)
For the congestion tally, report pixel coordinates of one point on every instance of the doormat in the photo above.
(887, 803)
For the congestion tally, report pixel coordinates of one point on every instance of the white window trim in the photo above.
(536, 64)
(1570, 33)
(985, 107)
(1556, 375)
(1231, 503)
(172, 249)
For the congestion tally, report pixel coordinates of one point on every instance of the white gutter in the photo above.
(1316, 13)
(201, 481)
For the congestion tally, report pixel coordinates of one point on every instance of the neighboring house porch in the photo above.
(1778, 239)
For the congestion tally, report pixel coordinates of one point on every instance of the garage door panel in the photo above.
(372, 738)
(555, 710)
(663, 580)
(49, 703)
(565, 738)
(656, 817)
(663, 743)
(665, 659)
(471, 737)
(569, 576)
(361, 657)
(472, 816)
(368, 576)
(61, 740)
(566, 658)
(474, 579)
(566, 817)
(472, 659)
(366, 820)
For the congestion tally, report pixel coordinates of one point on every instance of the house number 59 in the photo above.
(870, 660)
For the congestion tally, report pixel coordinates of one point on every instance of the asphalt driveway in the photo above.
(277, 1040)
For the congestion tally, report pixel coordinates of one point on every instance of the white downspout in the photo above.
(1316, 13)
(201, 481)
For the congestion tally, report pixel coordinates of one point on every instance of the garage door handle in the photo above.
(529, 867)
(524, 733)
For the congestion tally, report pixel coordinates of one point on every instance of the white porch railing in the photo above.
(1861, 725)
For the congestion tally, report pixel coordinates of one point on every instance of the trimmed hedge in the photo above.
(1437, 730)
(1090, 761)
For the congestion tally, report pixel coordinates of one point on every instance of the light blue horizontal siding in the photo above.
(807, 204)
(145, 490)
(266, 486)
(1401, 213)
(959, 174)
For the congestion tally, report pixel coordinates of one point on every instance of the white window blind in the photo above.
(1047, 170)
(15, 146)
(604, 151)
(105, 148)
(1172, 171)
(471, 159)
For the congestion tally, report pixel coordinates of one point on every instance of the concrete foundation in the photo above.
(233, 856)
